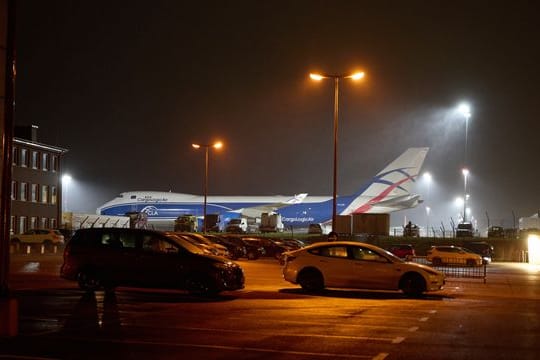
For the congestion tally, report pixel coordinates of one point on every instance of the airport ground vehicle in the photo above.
(482, 248)
(403, 251)
(465, 229)
(453, 255)
(238, 225)
(344, 264)
(46, 237)
(110, 257)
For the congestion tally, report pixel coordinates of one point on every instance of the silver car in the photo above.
(355, 265)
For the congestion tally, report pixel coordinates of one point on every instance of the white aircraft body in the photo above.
(389, 190)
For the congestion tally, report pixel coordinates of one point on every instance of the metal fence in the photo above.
(456, 270)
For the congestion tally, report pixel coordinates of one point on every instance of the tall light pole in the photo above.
(465, 176)
(216, 145)
(319, 77)
(427, 177)
(465, 110)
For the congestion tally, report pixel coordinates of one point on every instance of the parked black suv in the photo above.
(109, 257)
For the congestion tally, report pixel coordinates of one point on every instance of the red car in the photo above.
(403, 251)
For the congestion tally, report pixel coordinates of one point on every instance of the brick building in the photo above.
(36, 182)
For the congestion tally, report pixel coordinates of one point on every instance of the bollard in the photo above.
(42, 249)
(27, 249)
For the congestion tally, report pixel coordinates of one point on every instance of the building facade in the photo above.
(35, 185)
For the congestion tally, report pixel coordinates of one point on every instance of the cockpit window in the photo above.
(133, 197)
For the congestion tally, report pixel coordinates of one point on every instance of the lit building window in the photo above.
(44, 223)
(23, 191)
(35, 160)
(44, 193)
(53, 223)
(24, 158)
(54, 163)
(33, 222)
(54, 195)
(44, 161)
(34, 192)
(15, 157)
(22, 224)
(13, 190)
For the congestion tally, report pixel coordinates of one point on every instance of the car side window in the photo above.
(156, 244)
(360, 253)
(331, 251)
(128, 239)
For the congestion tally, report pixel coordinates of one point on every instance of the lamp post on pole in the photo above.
(319, 77)
(427, 177)
(465, 110)
(216, 145)
(465, 175)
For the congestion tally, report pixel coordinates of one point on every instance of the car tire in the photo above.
(311, 280)
(412, 285)
(200, 285)
(89, 280)
(252, 255)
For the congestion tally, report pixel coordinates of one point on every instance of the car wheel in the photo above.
(199, 285)
(412, 285)
(88, 280)
(311, 280)
(48, 245)
(436, 262)
(252, 255)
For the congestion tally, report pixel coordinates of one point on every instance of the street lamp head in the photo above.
(316, 77)
(218, 145)
(196, 146)
(465, 172)
(465, 110)
(357, 76)
(66, 179)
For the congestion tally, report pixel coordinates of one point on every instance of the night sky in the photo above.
(127, 86)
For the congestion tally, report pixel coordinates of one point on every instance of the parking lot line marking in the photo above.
(380, 356)
(424, 319)
(236, 348)
(413, 329)
(398, 340)
(432, 311)
(329, 324)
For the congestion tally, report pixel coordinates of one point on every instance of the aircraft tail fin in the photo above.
(395, 180)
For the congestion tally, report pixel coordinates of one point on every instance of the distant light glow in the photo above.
(458, 201)
(218, 145)
(464, 109)
(316, 77)
(465, 172)
(533, 242)
(427, 176)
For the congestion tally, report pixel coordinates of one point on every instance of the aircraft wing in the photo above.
(258, 210)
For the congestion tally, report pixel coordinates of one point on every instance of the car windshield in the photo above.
(392, 257)
(185, 244)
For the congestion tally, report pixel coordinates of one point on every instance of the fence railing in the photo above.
(454, 268)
